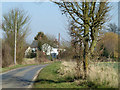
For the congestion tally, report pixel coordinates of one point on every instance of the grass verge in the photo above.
(50, 78)
(18, 66)
(13, 67)
(56, 76)
(100, 75)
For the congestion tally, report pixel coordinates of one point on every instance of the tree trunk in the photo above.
(86, 39)
(78, 68)
(85, 60)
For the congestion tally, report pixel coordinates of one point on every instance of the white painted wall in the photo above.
(55, 50)
(48, 49)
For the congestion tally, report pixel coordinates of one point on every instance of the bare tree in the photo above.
(16, 20)
(88, 19)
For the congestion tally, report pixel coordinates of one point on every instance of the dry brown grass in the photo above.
(35, 61)
(104, 76)
(67, 68)
(29, 61)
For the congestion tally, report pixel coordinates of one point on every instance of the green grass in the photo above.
(49, 78)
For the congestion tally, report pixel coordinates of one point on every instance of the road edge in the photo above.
(31, 85)
(11, 70)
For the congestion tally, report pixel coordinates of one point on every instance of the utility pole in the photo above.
(59, 46)
(15, 41)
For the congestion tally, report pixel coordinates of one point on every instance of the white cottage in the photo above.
(46, 48)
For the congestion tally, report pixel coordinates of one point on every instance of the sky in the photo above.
(47, 17)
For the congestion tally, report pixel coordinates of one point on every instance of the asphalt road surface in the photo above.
(20, 78)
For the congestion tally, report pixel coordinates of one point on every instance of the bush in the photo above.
(23, 22)
(69, 69)
(99, 75)
(31, 55)
(6, 55)
(108, 45)
(68, 54)
(20, 53)
(41, 57)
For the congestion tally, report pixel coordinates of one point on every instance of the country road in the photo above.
(20, 78)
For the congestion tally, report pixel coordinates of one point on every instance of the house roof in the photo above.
(34, 44)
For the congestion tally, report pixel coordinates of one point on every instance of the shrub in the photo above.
(68, 69)
(31, 54)
(41, 57)
(6, 55)
(8, 27)
(99, 75)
